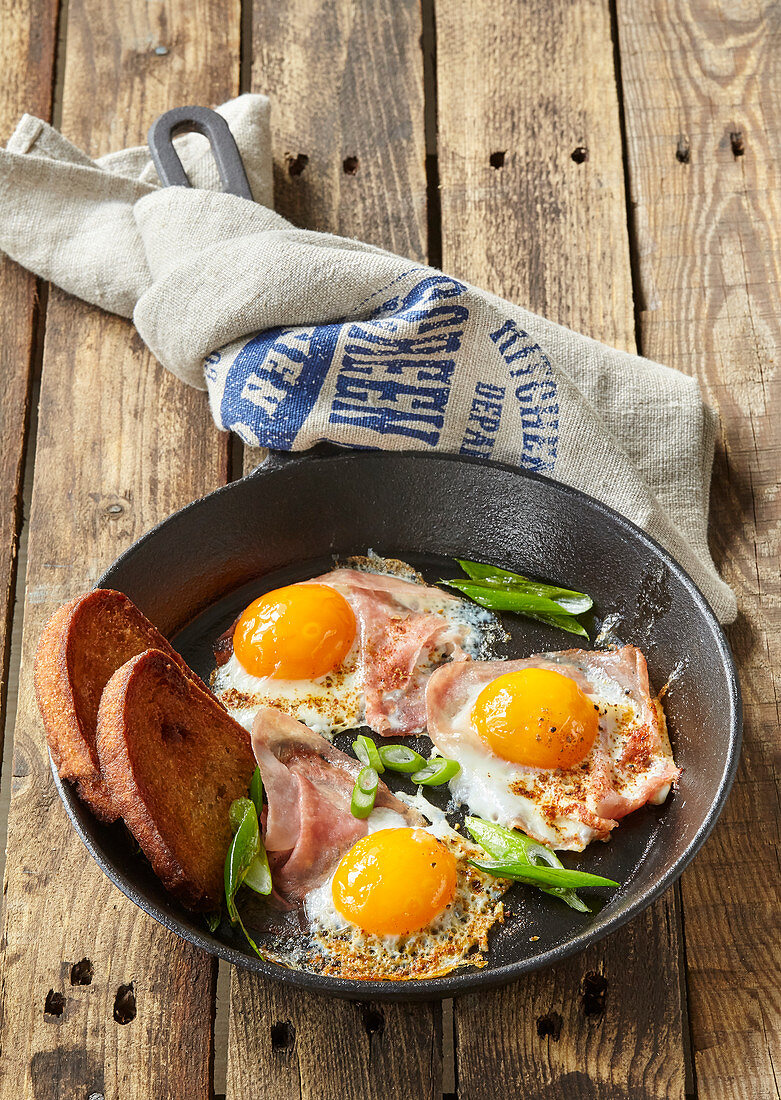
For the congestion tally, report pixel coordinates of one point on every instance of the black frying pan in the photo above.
(288, 519)
(295, 514)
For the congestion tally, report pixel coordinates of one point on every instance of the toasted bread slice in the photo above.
(81, 647)
(173, 761)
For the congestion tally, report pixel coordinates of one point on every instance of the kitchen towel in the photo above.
(301, 336)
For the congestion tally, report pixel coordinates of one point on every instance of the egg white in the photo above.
(457, 936)
(328, 705)
(336, 701)
(489, 786)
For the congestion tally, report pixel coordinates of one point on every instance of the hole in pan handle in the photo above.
(224, 149)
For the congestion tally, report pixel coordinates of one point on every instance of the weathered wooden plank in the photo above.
(349, 157)
(702, 90)
(533, 207)
(121, 443)
(27, 49)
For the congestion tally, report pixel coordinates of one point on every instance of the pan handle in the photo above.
(275, 460)
(224, 149)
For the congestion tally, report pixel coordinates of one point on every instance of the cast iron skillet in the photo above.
(288, 520)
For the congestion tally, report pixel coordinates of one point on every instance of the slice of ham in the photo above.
(404, 632)
(620, 774)
(403, 635)
(309, 784)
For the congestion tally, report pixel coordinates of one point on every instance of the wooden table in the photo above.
(614, 166)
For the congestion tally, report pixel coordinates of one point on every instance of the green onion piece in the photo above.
(438, 771)
(561, 622)
(533, 607)
(510, 847)
(541, 876)
(507, 599)
(256, 791)
(249, 938)
(401, 758)
(258, 876)
(243, 849)
(366, 751)
(573, 602)
(213, 920)
(364, 793)
(238, 811)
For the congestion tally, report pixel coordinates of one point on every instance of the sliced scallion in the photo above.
(438, 771)
(401, 758)
(367, 752)
(364, 793)
(521, 858)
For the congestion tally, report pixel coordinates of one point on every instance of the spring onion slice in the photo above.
(507, 599)
(256, 791)
(541, 876)
(438, 771)
(499, 599)
(258, 876)
(517, 855)
(213, 921)
(249, 938)
(243, 849)
(364, 793)
(573, 602)
(367, 752)
(401, 758)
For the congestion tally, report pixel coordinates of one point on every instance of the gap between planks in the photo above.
(16, 604)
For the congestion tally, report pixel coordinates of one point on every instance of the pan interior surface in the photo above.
(295, 519)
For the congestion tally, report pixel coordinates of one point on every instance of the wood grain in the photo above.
(291, 1045)
(27, 50)
(347, 82)
(703, 101)
(533, 207)
(121, 444)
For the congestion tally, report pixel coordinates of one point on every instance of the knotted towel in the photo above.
(301, 336)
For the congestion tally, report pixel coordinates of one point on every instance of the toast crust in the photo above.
(81, 646)
(173, 761)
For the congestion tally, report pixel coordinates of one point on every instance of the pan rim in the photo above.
(459, 982)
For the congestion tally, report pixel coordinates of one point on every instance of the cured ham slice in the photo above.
(629, 764)
(309, 784)
(405, 631)
(402, 630)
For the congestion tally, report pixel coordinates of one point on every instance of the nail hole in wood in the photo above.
(96, 1096)
(682, 150)
(125, 1004)
(737, 144)
(350, 166)
(549, 1026)
(81, 972)
(594, 994)
(296, 165)
(373, 1020)
(580, 154)
(54, 1005)
(283, 1035)
(496, 160)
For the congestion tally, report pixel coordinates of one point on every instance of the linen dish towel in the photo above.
(301, 336)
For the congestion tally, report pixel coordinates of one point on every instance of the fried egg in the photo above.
(349, 648)
(402, 903)
(560, 745)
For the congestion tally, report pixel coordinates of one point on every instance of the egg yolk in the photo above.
(536, 717)
(394, 881)
(300, 632)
